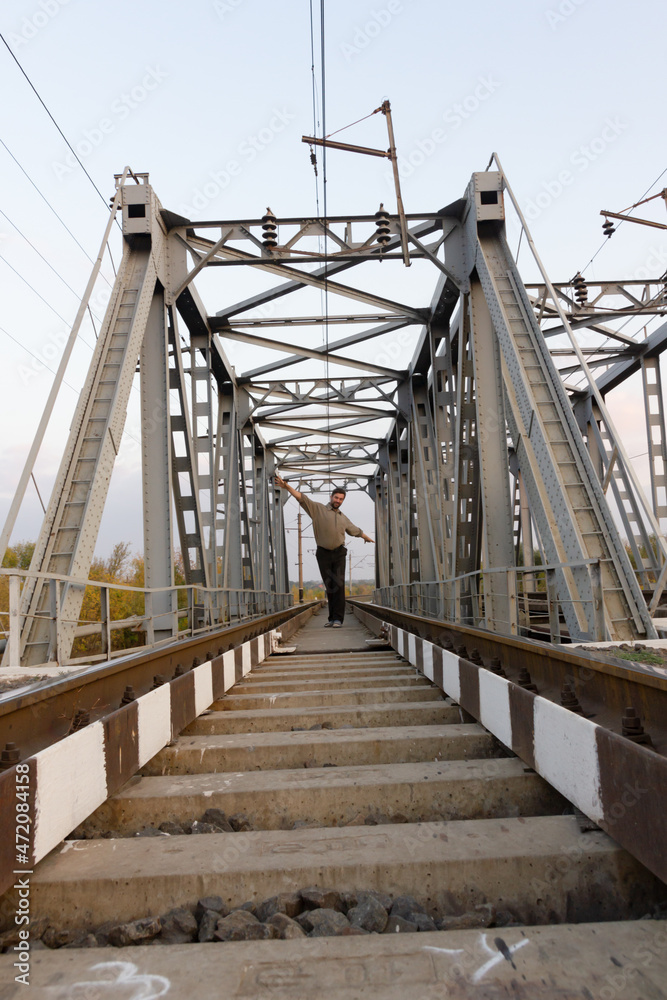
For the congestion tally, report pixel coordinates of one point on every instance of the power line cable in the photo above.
(41, 101)
(620, 221)
(48, 368)
(45, 199)
(47, 303)
(33, 289)
(40, 254)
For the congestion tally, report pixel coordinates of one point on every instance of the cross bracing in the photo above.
(459, 398)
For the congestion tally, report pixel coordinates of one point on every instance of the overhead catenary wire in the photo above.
(41, 101)
(40, 254)
(620, 221)
(50, 206)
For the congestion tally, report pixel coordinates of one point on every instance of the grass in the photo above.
(642, 656)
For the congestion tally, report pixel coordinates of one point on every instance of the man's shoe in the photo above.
(329, 624)
(337, 624)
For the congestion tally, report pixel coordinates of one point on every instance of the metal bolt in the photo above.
(632, 728)
(80, 721)
(475, 657)
(9, 756)
(209, 654)
(569, 700)
(461, 651)
(128, 695)
(179, 671)
(196, 661)
(496, 667)
(158, 681)
(524, 680)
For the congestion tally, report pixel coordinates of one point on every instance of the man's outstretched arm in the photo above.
(286, 486)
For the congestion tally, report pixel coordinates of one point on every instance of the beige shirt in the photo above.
(329, 524)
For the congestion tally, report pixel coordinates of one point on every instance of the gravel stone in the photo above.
(207, 925)
(215, 903)
(217, 818)
(286, 928)
(423, 922)
(289, 903)
(178, 926)
(397, 925)
(405, 906)
(199, 827)
(329, 899)
(135, 932)
(369, 914)
(102, 932)
(240, 925)
(82, 941)
(53, 938)
(324, 922)
(172, 829)
(240, 823)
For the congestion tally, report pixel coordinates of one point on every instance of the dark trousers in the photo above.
(332, 568)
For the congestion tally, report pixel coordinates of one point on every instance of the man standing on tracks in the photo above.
(329, 526)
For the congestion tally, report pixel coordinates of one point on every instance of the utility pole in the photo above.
(298, 522)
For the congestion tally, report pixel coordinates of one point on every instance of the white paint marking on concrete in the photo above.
(126, 977)
(566, 755)
(229, 670)
(203, 687)
(154, 722)
(412, 648)
(496, 957)
(247, 659)
(494, 706)
(71, 783)
(427, 659)
(451, 675)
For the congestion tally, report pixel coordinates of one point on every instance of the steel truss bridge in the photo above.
(474, 417)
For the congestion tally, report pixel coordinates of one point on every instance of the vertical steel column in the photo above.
(427, 466)
(500, 607)
(184, 472)
(655, 433)
(466, 534)
(156, 470)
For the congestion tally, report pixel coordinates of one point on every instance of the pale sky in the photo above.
(569, 94)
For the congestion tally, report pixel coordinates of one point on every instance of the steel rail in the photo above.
(40, 716)
(604, 685)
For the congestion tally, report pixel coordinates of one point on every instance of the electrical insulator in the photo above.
(270, 228)
(608, 227)
(580, 289)
(383, 232)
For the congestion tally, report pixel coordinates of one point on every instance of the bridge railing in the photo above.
(164, 613)
(537, 607)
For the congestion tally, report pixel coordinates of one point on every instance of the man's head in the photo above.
(337, 498)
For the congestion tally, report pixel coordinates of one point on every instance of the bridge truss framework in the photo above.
(493, 439)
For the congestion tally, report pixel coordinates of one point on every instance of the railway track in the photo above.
(337, 824)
